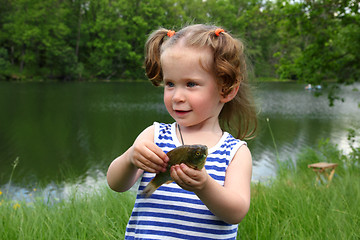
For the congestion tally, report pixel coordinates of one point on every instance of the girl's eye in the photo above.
(169, 84)
(191, 84)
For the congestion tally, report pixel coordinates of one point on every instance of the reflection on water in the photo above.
(63, 133)
(300, 119)
(52, 192)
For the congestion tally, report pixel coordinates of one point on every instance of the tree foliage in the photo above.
(309, 40)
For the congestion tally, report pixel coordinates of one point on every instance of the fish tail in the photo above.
(156, 182)
(149, 189)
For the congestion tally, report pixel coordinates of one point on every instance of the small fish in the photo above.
(193, 156)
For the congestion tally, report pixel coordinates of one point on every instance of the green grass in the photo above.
(291, 206)
(98, 215)
(295, 206)
(294, 210)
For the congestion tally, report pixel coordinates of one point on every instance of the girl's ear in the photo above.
(230, 95)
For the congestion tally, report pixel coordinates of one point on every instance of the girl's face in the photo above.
(191, 93)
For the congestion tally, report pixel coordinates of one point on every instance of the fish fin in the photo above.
(149, 189)
(155, 183)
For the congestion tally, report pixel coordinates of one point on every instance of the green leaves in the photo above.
(325, 32)
(310, 41)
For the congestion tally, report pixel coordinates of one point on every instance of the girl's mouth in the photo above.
(181, 112)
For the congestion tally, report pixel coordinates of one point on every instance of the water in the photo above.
(66, 134)
(298, 119)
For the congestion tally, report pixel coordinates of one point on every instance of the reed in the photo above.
(14, 165)
(273, 139)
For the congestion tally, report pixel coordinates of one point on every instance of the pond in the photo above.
(66, 134)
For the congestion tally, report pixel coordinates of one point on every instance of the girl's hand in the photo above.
(147, 156)
(188, 178)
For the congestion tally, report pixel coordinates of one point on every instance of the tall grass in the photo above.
(98, 215)
(291, 206)
(16, 162)
(295, 206)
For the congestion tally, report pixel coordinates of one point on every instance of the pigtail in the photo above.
(239, 115)
(228, 67)
(152, 56)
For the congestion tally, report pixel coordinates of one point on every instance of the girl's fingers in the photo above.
(147, 158)
(150, 166)
(188, 178)
(147, 168)
(174, 175)
(155, 154)
(159, 153)
(189, 172)
(180, 176)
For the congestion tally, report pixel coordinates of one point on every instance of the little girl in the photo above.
(203, 71)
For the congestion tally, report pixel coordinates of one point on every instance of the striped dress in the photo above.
(173, 213)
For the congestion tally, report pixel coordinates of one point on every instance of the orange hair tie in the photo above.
(218, 31)
(170, 33)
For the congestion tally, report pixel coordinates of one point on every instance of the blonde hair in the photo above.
(230, 69)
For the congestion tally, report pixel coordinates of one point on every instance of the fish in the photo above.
(194, 156)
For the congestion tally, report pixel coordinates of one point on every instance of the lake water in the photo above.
(66, 134)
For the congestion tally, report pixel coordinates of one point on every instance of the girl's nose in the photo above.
(179, 95)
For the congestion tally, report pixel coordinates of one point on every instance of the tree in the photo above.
(327, 35)
(307, 40)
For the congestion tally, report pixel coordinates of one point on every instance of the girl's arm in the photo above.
(122, 174)
(230, 202)
(143, 155)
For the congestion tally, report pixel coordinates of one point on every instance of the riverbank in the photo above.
(17, 79)
(290, 206)
(21, 78)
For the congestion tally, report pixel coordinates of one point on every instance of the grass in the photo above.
(291, 206)
(99, 215)
(294, 206)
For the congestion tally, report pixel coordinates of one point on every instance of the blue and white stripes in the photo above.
(173, 213)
